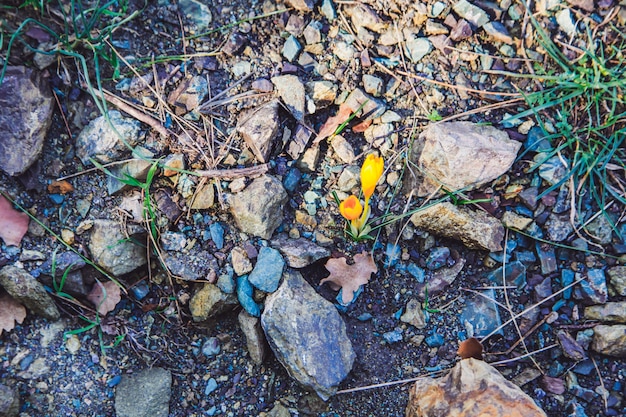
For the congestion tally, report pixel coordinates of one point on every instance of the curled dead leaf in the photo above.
(13, 223)
(349, 278)
(471, 348)
(11, 312)
(332, 123)
(105, 296)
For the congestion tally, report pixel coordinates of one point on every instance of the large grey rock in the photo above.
(476, 229)
(299, 252)
(23, 287)
(144, 394)
(106, 140)
(25, 116)
(258, 209)
(472, 388)
(210, 301)
(610, 340)
(307, 335)
(111, 249)
(259, 129)
(461, 156)
(291, 90)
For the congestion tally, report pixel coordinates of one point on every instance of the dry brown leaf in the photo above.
(471, 348)
(13, 223)
(332, 123)
(10, 312)
(349, 277)
(60, 187)
(105, 296)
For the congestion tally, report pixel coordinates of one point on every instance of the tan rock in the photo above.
(209, 302)
(610, 340)
(476, 229)
(472, 388)
(612, 312)
(443, 152)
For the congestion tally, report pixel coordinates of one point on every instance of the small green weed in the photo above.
(584, 107)
(83, 35)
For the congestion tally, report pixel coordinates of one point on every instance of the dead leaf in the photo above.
(11, 312)
(362, 127)
(471, 348)
(60, 187)
(332, 123)
(349, 277)
(13, 223)
(105, 296)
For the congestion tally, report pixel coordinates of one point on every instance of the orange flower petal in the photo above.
(351, 208)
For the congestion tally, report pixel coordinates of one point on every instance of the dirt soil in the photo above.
(55, 378)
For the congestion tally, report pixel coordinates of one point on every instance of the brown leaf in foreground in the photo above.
(470, 348)
(332, 123)
(13, 223)
(349, 277)
(105, 296)
(10, 312)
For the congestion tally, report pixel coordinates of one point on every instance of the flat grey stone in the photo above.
(255, 339)
(144, 394)
(299, 252)
(111, 249)
(268, 270)
(473, 14)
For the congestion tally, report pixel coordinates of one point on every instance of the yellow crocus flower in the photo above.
(371, 171)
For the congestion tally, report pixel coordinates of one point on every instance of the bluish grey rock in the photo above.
(196, 12)
(268, 270)
(473, 14)
(514, 273)
(245, 293)
(593, 289)
(211, 347)
(144, 394)
(105, 140)
(480, 317)
(307, 335)
(558, 228)
(299, 252)
(191, 266)
(26, 106)
(291, 49)
(418, 48)
(552, 170)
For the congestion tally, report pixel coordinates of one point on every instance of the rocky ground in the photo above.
(183, 277)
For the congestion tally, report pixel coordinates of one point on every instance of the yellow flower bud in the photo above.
(371, 171)
(351, 208)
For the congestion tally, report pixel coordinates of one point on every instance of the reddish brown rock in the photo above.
(472, 388)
